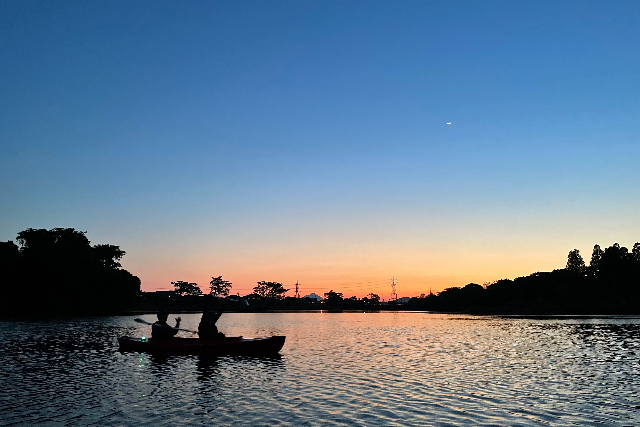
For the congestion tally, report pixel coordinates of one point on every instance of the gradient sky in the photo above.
(289, 140)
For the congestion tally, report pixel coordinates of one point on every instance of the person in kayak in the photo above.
(161, 330)
(207, 328)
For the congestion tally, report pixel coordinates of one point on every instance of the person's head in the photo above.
(163, 316)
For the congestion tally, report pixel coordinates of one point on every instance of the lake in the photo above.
(344, 369)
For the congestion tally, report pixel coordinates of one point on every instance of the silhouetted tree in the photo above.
(616, 259)
(183, 288)
(273, 290)
(575, 261)
(596, 256)
(332, 297)
(108, 255)
(9, 255)
(219, 287)
(60, 242)
(620, 276)
(449, 294)
(63, 274)
(372, 298)
(636, 251)
(9, 269)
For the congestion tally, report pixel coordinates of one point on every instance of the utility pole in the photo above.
(394, 295)
(297, 290)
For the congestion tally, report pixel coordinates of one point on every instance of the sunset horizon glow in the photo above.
(361, 281)
(310, 142)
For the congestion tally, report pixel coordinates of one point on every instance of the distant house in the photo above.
(314, 297)
(253, 297)
(238, 299)
(403, 300)
(164, 294)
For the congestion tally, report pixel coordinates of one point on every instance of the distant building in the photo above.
(403, 300)
(253, 297)
(238, 299)
(314, 297)
(164, 294)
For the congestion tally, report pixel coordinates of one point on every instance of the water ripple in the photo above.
(351, 369)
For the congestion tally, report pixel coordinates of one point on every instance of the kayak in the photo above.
(211, 347)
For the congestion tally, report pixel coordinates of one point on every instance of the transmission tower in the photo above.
(394, 295)
(297, 290)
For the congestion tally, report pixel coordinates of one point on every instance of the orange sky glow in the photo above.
(357, 275)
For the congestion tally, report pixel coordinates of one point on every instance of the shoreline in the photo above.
(541, 316)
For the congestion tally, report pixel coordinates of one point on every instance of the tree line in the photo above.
(610, 284)
(59, 272)
(221, 288)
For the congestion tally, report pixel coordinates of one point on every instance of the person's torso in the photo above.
(161, 330)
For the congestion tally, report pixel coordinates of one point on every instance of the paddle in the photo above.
(139, 320)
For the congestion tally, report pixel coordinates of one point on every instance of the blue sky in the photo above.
(308, 140)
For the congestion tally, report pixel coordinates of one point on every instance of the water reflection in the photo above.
(207, 367)
(335, 369)
(609, 332)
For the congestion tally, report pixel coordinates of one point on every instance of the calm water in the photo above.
(335, 369)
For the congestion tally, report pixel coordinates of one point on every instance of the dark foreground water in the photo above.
(335, 369)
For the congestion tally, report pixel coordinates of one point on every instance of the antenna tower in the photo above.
(297, 290)
(394, 295)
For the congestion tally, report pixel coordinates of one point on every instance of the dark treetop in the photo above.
(58, 272)
(609, 285)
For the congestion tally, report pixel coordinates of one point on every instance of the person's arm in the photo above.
(175, 329)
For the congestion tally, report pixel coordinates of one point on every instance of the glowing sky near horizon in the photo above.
(308, 141)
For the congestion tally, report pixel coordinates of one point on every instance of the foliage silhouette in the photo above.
(611, 285)
(58, 272)
(273, 290)
(219, 287)
(575, 261)
(372, 299)
(333, 298)
(596, 256)
(182, 288)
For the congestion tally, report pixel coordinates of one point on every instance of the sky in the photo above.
(308, 141)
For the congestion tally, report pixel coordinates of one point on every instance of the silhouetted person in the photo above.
(161, 330)
(207, 328)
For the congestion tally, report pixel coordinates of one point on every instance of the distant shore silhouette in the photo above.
(58, 272)
(610, 284)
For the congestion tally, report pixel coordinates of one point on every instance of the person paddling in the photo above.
(161, 330)
(207, 328)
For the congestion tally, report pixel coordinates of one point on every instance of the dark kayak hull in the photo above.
(215, 347)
